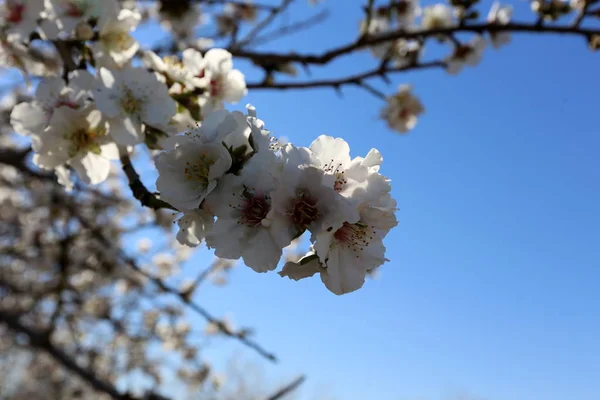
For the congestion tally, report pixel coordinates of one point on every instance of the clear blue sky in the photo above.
(493, 285)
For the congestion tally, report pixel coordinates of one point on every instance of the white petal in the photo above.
(28, 119)
(126, 131)
(262, 254)
(91, 168)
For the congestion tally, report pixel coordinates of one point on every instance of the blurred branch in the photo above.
(292, 28)
(357, 80)
(42, 341)
(361, 43)
(288, 388)
(139, 190)
(240, 336)
(264, 23)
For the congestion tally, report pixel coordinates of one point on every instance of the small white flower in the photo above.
(20, 17)
(193, 226)
(241, 204)
(225, 84)
(438, 16)
(190, 171)
(466, 54)
(175, 70)
(32, 118)
(130, 98)
(77, 138)
(499, 15)
(63, 16)
(144, 245)
(115, 46)
(402, 110)
(181, 24)
(405, 12)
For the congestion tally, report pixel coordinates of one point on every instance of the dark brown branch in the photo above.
(143, 195)
(17, 159)
(350, 80)
(42, 341)
(361, 43)
(288, 388)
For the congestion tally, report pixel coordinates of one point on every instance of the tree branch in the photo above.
(145, 197)
(288, 388)
(360, 43)
(350, 80)
(264, 23)
(292, 28)
(42, 341)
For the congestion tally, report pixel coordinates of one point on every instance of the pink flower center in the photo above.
(215, 87)
(15, 12)
(254, 208)
(304, 210)
(404, 113)
(67, 103)
(354, 236)
(73, 10)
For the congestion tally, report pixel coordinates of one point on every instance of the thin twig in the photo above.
(350, 80)
(292, 28)
(289, 388)
(139, 190)
(264, 23)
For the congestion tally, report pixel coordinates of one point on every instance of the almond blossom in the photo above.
(499, 15)
(78, 138)
(63, 16)
(302, 202)
(32, 118)
(344, 257)
(115, 46)
(193, 226)
(437, 16)
(466, 54)
(20, 17)
(241, 204)
(131, 98)
(402, 110)
(225, 84)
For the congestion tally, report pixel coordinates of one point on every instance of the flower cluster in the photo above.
(249, 197)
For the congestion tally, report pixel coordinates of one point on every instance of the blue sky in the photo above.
(492, 288)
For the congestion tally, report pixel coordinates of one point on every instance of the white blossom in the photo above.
(115, 46)
(20, 17)
(190, 171)
(345, 256)
(182, 25)
(499, 15)
(241, 204)
(466, 54)
(193, 226)
(63, 16)
(130, 98)
(437, 16)
(302, 202)
(225, 84)
(78, 138)
(402, 110)
(32, 118)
